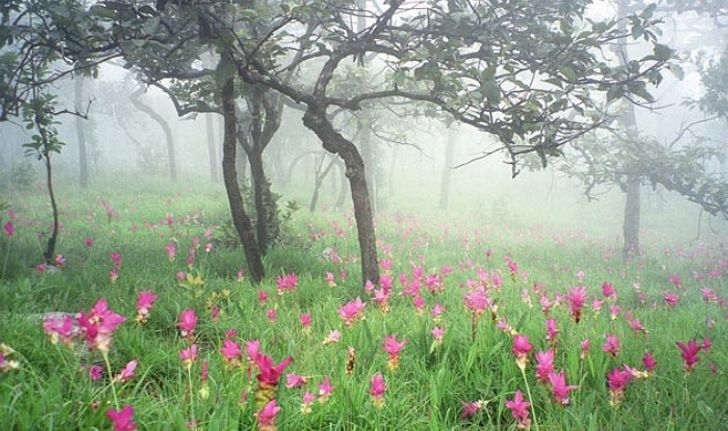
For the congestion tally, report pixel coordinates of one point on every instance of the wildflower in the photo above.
(204, 390)
(123, 419)
(116, 259)
(306, 320)
(377, 388)
(333, 337)
(576, 298)
(95, 372)
(113, 275)
(59, 329)
(145, 300)
(597, 306)
(59, 261)
(471, 408)
(252, 349)
(519, 410)
(477, 301)
(295, 381)
(521, 348)
(675, 279)
(262, 297)
(385, 282)
(689, 354)
(9, 229)
(381, 297)
(231, 353)
(267, 416)
(272, 315)
(608, 290)
(635, 324)
(88, 242)
(325, 390)
(127, 373)
(352, 311)
(181, 276)
(584, 348)
(187, 323)
(268, 376)
(649, 362)
(559, 389)
(614, 311)
(188, 355)
(671, 299)
(526, 297)
(709, 295)
(551, 331)
(546, 304)
(287, 283)
(617, 380)
(393, 349)
(330, 279)
(436, 313)
(438, 334)
(171, 251)
(308, 399)
(419, 303)
(506, 327)
(99, 325)
(544, 365)
(707, 344)
(612, 345)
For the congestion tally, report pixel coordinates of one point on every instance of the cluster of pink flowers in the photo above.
(287, 283)
(352, 311)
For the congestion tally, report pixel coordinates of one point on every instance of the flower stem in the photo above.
(111, 378)
(530, 398)
(192, 396)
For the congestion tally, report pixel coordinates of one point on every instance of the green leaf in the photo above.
(491, 91)
(662, 52)
(568, 72)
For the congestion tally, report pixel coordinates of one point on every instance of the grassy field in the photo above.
(488, 280)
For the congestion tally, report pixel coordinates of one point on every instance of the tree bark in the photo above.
(446, 169)
(631, 227)
(81, 133)
(320, 176)
(51, 246)
(333, 142)
(211, 149)
(241, 220)
(138, 104)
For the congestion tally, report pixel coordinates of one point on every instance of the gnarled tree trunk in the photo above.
(138, 104)
(631, 227)
(242, 222)
(81, 132)
(315, 119)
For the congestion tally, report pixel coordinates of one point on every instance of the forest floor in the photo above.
(455, 294)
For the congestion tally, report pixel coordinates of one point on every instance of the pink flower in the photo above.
(393, 349)
(231, 352)
(59, 261)
(559, 388)
(438, 334)
(352, 311)
(188, 355)
(521, 348)
(9, 229)
(59, 329)
(204, 371)
(551, 331)
(306, 320)
(171, 251)
(608, 290)
(95, 372)
(330, 279)
(707, 344)
(333, 337)
(127, 373)
(272, 314)
(308, 399)
(519, 410)
(252, 348)
(470, 409)
(617, 381)
(187, 323)
(123, 419)
(544, 365)
(99, 325)
(381, 297)
(116, 259)
(295, 381)
(576, 297)
(585, 344)
(145, 300)
(377, 388)
(614, 311)
(262, 297)
(267, 415)
(88, 242)
(675, 279)
(612, 345)
(671, 299)
(477, 300)
(325, 390)
(649, 362)
(689, 354)
(181, 276)
(287, 283)
(268, 372)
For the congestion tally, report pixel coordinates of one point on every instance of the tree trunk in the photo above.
(138, 104)
(240, 218)
(631, 228)
(211, 149)
(447, 169)
(320, 176)
(315, 119)
(51, 246)
(261, 194)
(81, 133)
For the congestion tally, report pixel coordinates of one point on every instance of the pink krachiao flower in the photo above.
(689, 354)
(671, 299)
(612, 345)
(519, 410)
(95, 372)
(231, 353)
(544, 365)
(188, 355)
(187, 323)
(393, 349)
(59, 329)
(377, 388)
(123, 419)
(521, 349)
(325, 390)
(471, 408)
(306, 321)
(477, 301)
(127, 373)
(145, 301)
(617, 380)
(577, 298)
(333, 337)
(9, 229)
(287, 283)
(608, 290)
(267, 416)
(352, 311)
(99, 325)
(295, 381)
(269, 373)
(585, 344)
(649, 362)
(551, 331)
(559, 388)
(171, 251)
(438, 334)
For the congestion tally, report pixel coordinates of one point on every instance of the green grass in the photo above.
(51, 390)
